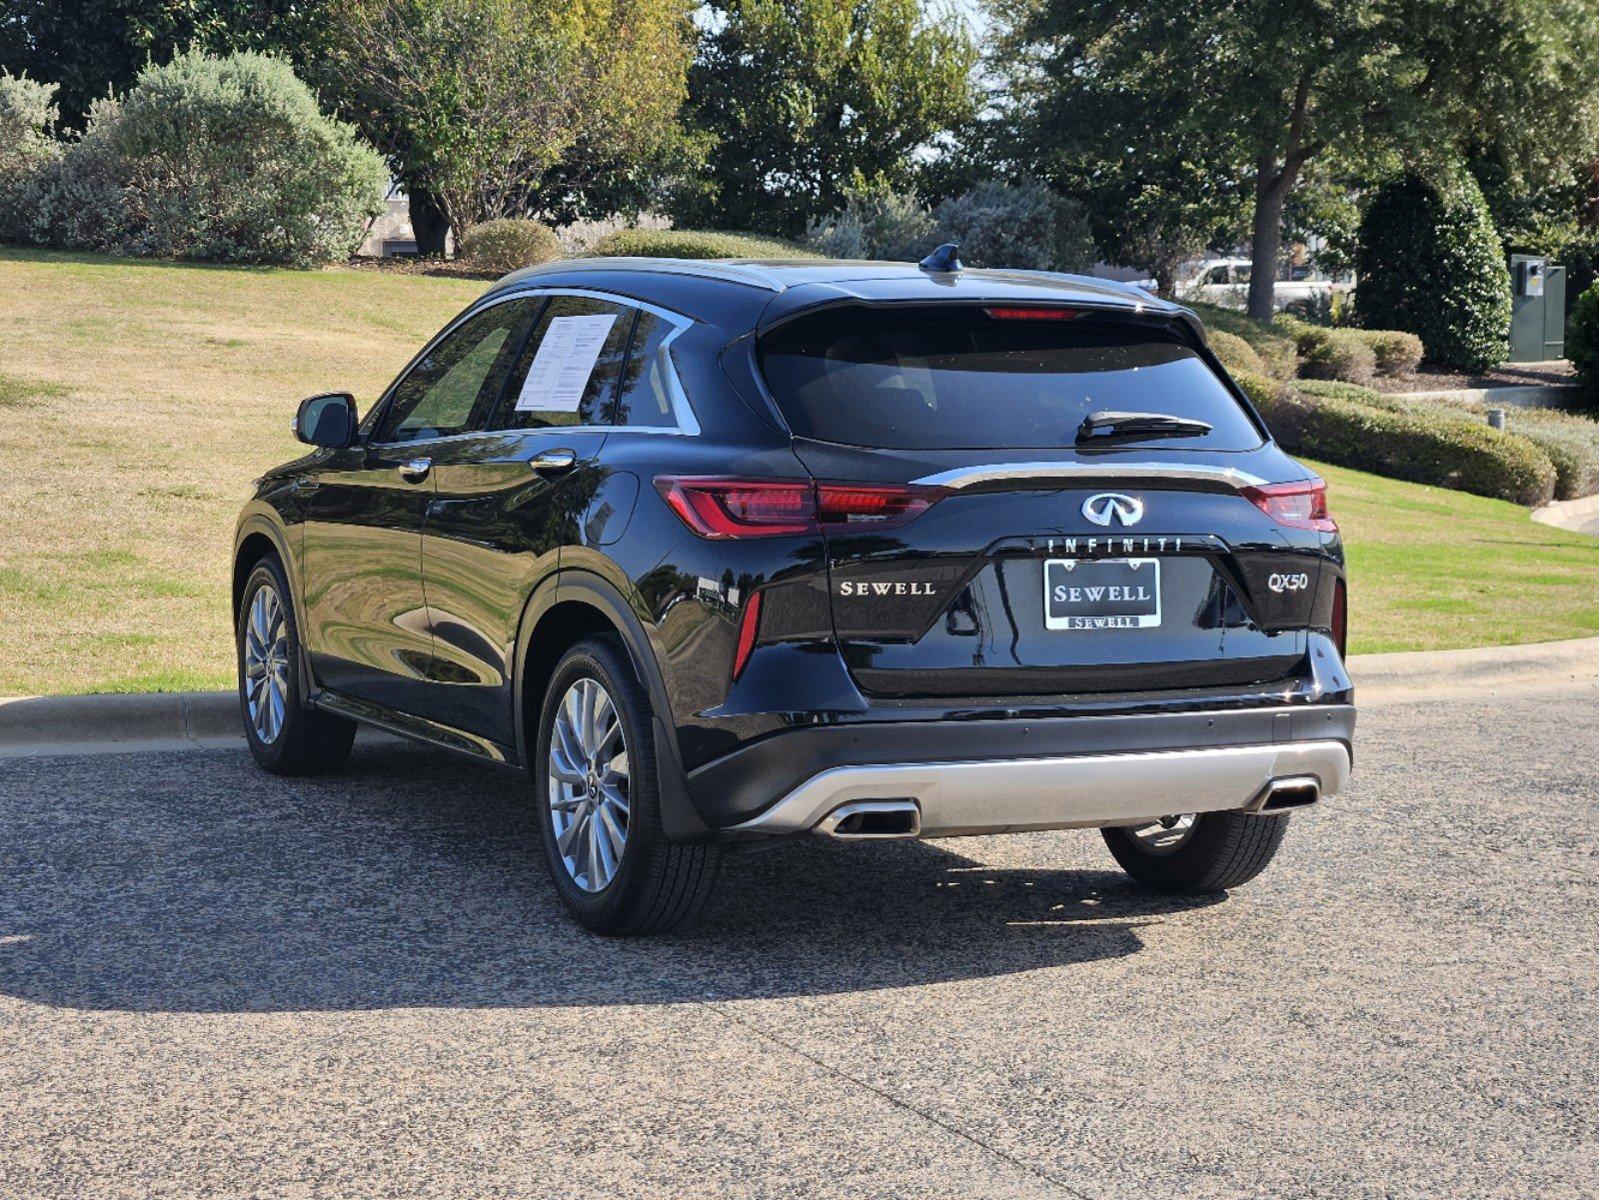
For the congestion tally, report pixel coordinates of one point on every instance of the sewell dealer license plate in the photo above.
(1101, 593)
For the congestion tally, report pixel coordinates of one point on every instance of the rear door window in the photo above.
(967, 377)
(570, 369)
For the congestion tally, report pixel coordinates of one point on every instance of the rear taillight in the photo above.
(1296, 505)
(740, 508)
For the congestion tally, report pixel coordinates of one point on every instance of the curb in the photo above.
(1532, 395)
(1568, 514)
(32, 725)
(42, 725)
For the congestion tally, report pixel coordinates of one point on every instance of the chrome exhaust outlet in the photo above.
(872, 820)
(1286, 794)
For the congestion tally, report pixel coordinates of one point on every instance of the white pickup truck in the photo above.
(1225, 281)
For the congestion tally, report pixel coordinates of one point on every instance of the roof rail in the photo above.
(728, 270)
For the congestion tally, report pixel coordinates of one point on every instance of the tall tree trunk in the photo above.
(1272, 186)
(428, 221)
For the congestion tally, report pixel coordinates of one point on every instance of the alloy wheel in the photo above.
(589, 786)
(266, 664)
(1165, 836)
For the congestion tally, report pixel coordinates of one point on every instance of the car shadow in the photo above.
(194, 883)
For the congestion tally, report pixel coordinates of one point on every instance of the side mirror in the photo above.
(328, 420)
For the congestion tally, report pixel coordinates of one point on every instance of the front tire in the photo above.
(598, 802)
(286, 735)
(1198, 853)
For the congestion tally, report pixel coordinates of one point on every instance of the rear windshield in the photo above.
(957, 377)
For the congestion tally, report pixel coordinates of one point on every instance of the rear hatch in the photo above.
(1076, 514)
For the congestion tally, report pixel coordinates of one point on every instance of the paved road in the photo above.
(215, 983)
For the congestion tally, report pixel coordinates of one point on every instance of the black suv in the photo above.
(722, 551)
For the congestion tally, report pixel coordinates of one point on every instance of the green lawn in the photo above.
(138, 400)
(1435, 569)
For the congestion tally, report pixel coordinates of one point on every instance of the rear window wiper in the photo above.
(1133, 426)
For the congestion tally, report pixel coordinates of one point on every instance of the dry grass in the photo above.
(137, 402)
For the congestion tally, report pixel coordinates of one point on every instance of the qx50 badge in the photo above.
(1113, 508)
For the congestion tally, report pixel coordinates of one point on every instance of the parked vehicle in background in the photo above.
(721, 552)
(1225, 281)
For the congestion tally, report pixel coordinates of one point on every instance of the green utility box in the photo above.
(1538, 309)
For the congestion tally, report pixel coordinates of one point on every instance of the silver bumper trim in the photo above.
(1073, 792)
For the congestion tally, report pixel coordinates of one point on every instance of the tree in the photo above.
(1431, 263)
(478, 102)
(801, 97)
(93, 48)
(1262, 88)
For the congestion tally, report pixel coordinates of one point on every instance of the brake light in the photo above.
(1296, 505)
(1033, 314)
(738, 508)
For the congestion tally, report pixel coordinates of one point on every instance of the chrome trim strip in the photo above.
(1069, 472)
(729, 270)
(1077, 791)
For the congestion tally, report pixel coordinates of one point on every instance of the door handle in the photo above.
(553, 461)
(304, 486)
(416, 470)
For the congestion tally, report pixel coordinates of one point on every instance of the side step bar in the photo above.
(948, 799)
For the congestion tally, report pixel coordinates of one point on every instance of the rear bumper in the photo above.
(1026, 773)
(1078, 791)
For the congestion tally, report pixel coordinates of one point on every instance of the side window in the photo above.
(643, 398)
(454, 386)
(568, 372)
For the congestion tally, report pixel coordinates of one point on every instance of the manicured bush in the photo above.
(1397, 352)
(1236, 354)
(1582, 338)
(875, 222)
(27, 116)
(1335, 354)
(1571, 442)
(1431, 263)
(694, 243)
(1025, 225)
(1422, 442)
(227, 160)
(1276, 349)
(508, 245)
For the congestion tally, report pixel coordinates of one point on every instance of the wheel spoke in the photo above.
(588, 779)
(614, 797)
(573, 830)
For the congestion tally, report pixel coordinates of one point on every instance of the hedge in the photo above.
(1356, 427)
(1582, 337)
(1336, 354)
(509, 245)
(1236, 354)
(693, 243)
(1396, 352)
(1570, 441)
(1275, 347)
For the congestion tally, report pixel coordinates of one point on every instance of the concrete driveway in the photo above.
(217, 983)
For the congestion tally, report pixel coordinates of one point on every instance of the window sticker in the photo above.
(565, 360)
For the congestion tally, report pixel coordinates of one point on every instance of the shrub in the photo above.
(27, 116)
(1570, 441)
(875, 222)
(226, 159)
(1431, 263)
(694, 243)
(1236, 354)
(1582, 337)
(1025, 226)
(1397, 352)
(1276, 349)
(1421, 442)
(1335, 354)
(509, 245)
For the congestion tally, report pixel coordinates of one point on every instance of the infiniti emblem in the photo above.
(1113, 508)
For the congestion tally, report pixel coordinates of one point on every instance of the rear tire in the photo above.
(1219, 851)
(286, 735)
(598, 801)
